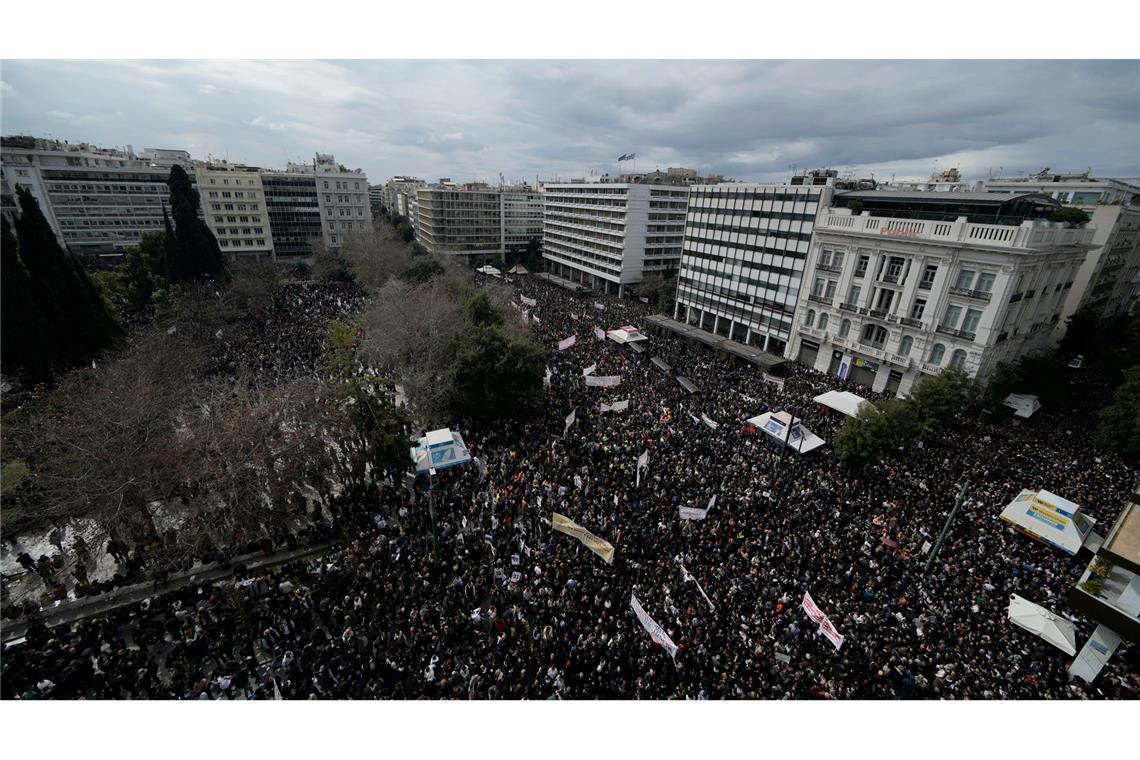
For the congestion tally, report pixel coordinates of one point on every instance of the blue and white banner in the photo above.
(844, 367)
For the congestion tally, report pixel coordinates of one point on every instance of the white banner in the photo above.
(655, 631)
(528, 301)
(642, 462)
(828, 630)
(705, 419)
(776, 381)
(546, 379)
(812, 611)
(599, 306)
(603, 381)
(712, 502)
(688, 577)
(589, 370)
(599, 333)
(617, 406)
(569, 421)
(825, 626)
(693, 513)
(578, 482)
(643, 299)
(565, 344)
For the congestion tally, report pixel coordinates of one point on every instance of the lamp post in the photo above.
(946, 528)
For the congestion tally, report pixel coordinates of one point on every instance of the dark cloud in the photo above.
(473, 119)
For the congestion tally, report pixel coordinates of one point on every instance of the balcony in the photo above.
(861, 272)
(869, 345)
(981, 295)
(1029, 294)
(899, 359)
(848, 307)
(878, 313)
(891, 278)
(925, 285)
(819, 299)
(1016, 297)
(911, 322)
(946, 330)
(828, 268)
(1026, 235)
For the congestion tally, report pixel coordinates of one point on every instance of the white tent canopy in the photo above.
(1039, 621)
(1049, 518)
(775, 426)
(489, 270)
(842, 401)
(1023, 405)
(626, 334)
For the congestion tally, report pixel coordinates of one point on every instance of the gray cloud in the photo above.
(473, 119)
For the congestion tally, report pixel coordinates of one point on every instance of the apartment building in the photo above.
(902, 285)
(343, 198)
(611, 235)
(98, 201)
(461, 221)
(744, 254)
(233, 199)
(1109, 278)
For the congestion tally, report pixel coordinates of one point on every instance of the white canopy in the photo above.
(1023, 405)
(775, 425)
(1039, 621)
(1048, 518)
(489, 270)
(626, 334)
(440, 449)
(842, 401)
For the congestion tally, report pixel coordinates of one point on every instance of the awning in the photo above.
(842, 401)
(687, 384)
(1049, 518)
(661, 365)
(637, 349)
(775, 426)
(1023, 405)
(765, 361)
(1042, 623)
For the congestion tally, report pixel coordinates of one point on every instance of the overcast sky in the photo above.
(750, 120)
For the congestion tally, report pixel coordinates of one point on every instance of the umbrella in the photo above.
(1039, 621)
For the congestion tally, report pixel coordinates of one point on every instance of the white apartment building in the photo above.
(98, 201)
(612, 235)
(743, 260)
(893, 298)
(1108, 278)
(343, 196)
(233, 200)
(521, 218)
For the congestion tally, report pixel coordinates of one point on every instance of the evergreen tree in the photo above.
(198, 253)
(170, 260)
(22, 346)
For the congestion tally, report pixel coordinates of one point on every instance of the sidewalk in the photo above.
(88, 607)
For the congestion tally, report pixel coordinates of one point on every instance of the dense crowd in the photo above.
(400, 608)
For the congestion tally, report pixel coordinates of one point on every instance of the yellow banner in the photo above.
(564, 524)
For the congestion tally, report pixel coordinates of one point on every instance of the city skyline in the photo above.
(472, 120)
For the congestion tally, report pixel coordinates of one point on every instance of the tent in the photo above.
(775, 426)
(1023, 405)
(518, 269)
(842, 401)
(1046, 517)
(627, 334)
(489, 270)
(1039, 621)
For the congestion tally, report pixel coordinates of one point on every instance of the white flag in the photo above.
(642, 462)
(688, 577)
(589, 370)
(599, 306)
(565, 344)
(705, 419)
(655, 631)
(578, 481)
(528, 301)
(617, 406)
(599, 333)
(712, 503)
(569, 421)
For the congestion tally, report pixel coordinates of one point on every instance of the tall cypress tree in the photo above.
(23, 348)
(198, 251)
(76, 320)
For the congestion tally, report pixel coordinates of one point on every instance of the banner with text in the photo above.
(602, 548)
(655, 631)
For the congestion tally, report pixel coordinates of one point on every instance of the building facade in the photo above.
(612, 235)
(744, 251)
(233, 199)
(889, 299)
(343, 197)
(522, 219)
(467, 222)
(294, 212)
(98, 201)
(1107, 281)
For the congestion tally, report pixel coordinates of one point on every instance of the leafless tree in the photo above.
(376, 255)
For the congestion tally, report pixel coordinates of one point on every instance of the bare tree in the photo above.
(375, 256)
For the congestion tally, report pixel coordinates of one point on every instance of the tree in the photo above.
(1071, 215)
(198, 254)
(22, 347)
(659, 290)
(375, 256)
(329, 266)
(422, 269)
(495, 375)
(1120, 422)
(877, 428)
(481, 311)
(404, 230)
(940, 399)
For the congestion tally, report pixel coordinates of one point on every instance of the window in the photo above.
(853, 294)
(244, 219)
(231, 219)
(957, 359)
(810, 319)
(213, 193)
(950, 318)
(224, 243)
(227, 194)
(970, 323)
(886, 298)
(229, 207)
(823, 321)
(844, 328)
(919, 307)
(905, 346)
(829, 292)
(965, 279)
(861, 267)
(928, 276)
(818, 286)
(260, 241)
(937, 353)
(894, 269)
(216, 206)
(986, 282)
(326, 184)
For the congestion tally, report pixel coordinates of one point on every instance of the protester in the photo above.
(385, 614)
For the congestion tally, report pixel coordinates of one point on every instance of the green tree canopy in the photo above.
(1120, 421)
(940, 399)
(198, 254)
(495, 375)
(1074, 216)
(877, 428)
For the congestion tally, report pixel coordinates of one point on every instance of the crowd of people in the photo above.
(487, 601)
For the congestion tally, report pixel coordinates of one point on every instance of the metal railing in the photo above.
(981, 295)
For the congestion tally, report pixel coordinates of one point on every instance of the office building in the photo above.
(901, 285)
(461, 221)
(743, 261)
(233, 200)
(610, 235)
(522, 219)
(1108, 279)
(294, 212)
(342, 195)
